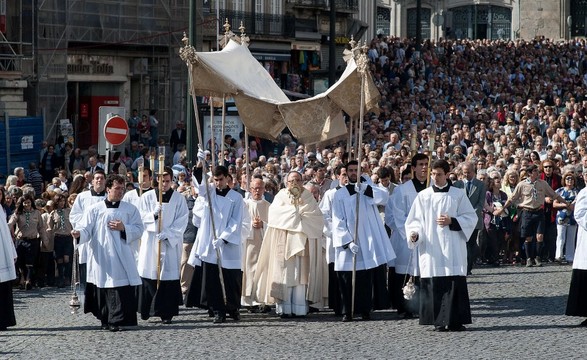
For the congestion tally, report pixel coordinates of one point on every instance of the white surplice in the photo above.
(174, 215)
(111, 263)
(442, 251)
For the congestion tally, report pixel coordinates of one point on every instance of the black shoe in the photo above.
(219, 319)
(104, 326)
(114, 328)
(584, 323)
(313, 310)
(286, 316)
(28, 285)
(210, 313)
(457, 328)
(440, 328)
(235, 315)
(366, 316)
(144, 317)
(166, 321)
(408, 315)
(347, 318)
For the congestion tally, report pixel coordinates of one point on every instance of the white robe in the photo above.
(396, 213)
(7, 251)
(228, 223)
(132, 197)
(580, 260)
(111, 263)
(252, 244)
(374, 244)
(82, 202)
(326, 208)
(175, 216)
(442, 252)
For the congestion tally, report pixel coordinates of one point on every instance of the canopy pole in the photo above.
(221, 156)
(247, 158)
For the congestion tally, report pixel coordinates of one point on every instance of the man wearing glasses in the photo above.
(529, 195)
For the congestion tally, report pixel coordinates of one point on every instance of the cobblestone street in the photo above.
(517, 312)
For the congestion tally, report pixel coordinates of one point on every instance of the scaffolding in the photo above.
(149, 29)
(16, 36)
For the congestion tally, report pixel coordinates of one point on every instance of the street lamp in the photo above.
(569, 25)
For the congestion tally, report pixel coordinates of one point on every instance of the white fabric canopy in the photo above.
(265, 109)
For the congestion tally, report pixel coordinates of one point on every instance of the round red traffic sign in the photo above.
(116, 130)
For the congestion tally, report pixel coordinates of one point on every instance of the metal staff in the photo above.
(349, 144)
(141, 163)
(188, 54)
(221, 156)
(160, 216)
(212, 142)
(362, 68)
(413, 144)
(247, 158)
(430, 148)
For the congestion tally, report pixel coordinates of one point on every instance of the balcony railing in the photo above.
(255, 23)
(341, 5)
(346, 5)
(310, 3)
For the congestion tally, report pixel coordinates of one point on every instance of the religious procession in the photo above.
(330, 216)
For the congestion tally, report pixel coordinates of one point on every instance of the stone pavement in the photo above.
(517, 312)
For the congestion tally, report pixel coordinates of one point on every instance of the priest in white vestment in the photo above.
(162, 298)
(370, 246)
(225, 207)
(334, 300)
(289, 270)
(439, 224)
(258, 210)
(134, 197)
(406, 261)
(108, 228)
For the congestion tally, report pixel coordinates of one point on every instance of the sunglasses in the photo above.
(548, 166)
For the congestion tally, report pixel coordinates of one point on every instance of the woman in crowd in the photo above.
(61, 227)
(28, 229)
(46, 262)
(508, 184)
(565, 221)
(78, 184)
(497, 226)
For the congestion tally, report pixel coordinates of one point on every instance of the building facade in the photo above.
(65, 59)
(478, 19)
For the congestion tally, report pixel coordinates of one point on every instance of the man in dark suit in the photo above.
(178, 136)
(475, 190)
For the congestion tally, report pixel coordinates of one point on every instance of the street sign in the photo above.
(115, 130)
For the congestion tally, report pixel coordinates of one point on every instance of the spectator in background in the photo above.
(35, 179)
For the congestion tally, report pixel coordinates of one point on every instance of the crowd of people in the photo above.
(507, 123)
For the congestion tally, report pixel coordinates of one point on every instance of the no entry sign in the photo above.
(116, 130)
